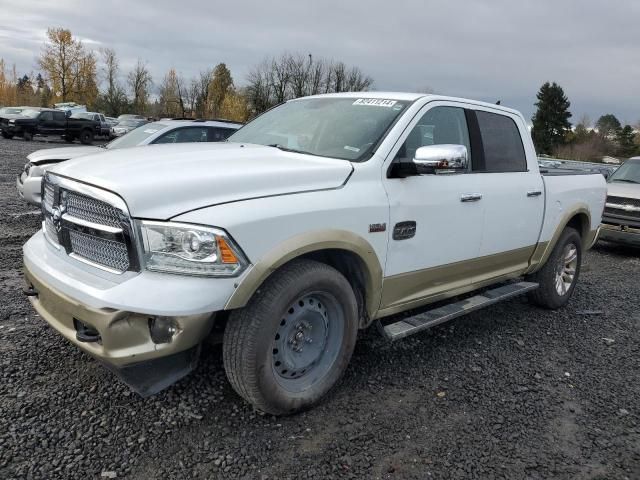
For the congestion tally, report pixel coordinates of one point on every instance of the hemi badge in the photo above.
(377, 227)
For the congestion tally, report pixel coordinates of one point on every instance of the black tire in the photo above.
(549, 294)
(6, 135)
(252, 335)
(28, 136)
(86, 137)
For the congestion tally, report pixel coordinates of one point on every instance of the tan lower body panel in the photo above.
(125, 337)
(414, 289)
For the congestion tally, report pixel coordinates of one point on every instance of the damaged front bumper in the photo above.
(146, 352)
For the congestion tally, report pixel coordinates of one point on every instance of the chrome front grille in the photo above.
(50, 230)
(91, 210)
(92, 225)
(98, 250)
(621, 206)
(48, 196)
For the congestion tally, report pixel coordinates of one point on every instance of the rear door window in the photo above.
(217, 134)
(503, 148)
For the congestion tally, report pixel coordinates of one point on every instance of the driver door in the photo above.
(443, 251)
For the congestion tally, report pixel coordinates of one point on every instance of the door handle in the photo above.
(534, 193)
(471, 197)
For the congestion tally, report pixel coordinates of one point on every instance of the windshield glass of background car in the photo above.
(137, 136)
(30, 113)
(344, 128)
(629, 172)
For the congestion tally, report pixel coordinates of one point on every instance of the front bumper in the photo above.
(124, 345)
(73, 298)
(29, 188)
(620, 234)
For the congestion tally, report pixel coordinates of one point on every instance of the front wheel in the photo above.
(290, 345)
(6, 135)
(86, 137)
(558, 277)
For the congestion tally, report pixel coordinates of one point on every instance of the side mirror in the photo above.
(444, 158)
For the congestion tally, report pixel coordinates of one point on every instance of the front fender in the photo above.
(305, 243)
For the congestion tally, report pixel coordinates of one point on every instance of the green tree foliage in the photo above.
(625, 138)
(221, 86)
(551, 120)
(608, 125)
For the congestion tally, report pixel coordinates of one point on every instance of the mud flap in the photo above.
(150, 377)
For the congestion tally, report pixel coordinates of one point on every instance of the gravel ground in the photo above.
(510, 392)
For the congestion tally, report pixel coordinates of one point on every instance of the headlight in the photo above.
(190, 249)
(11, 122)
(27, 167)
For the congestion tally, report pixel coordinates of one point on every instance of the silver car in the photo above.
(621, 218)
(170, 131)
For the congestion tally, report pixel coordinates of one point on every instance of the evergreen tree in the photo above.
(625, 138)
(551, 120)
(608, 125)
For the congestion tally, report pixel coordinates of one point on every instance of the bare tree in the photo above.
(276, 80)
(139, 80)
(114, 97)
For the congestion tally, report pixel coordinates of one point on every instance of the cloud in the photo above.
(484, 49)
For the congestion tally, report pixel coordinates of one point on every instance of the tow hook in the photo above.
(30, 291)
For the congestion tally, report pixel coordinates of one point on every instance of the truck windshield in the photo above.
(30, 113)
(629, 172)
(344, 128)
(137, 136)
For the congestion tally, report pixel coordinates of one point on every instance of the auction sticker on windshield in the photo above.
(375, 102)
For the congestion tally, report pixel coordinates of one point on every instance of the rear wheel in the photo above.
(558, 277)
(86, 137)
(286, 349)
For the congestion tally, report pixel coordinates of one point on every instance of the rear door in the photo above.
(58, 124)
(512, 191)
(44, 125)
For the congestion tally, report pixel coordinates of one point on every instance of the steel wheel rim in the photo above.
(307, 341)
(566, 269)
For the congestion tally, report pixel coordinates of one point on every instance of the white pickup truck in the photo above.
(321, 217)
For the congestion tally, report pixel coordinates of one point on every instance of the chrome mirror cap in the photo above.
(445, 158)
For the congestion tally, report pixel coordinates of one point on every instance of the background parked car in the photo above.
(125, 125)
(181, 131)
(621, 218)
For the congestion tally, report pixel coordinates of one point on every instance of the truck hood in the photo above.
(626, 190)
(50, 155)
(162, 181)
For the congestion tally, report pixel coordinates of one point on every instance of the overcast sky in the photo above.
(482, 49)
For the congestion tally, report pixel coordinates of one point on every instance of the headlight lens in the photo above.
(190, 249)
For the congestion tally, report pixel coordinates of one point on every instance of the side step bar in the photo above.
(422, 321)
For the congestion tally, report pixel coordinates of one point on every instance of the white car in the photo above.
(323, 216)
(172, 131)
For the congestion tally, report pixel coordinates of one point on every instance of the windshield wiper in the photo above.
(285, 149)
(624, 180)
